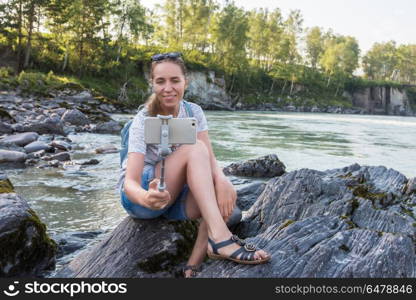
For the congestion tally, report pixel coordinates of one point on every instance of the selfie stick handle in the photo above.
(164, 151)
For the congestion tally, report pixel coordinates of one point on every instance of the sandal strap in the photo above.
(245, 254)
(216, 246)
(195, 269)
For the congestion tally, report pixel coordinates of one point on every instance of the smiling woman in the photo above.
(196, 185)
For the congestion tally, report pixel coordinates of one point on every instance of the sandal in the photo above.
(195, 270)
(246, 250)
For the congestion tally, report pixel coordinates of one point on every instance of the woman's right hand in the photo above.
(155, 199)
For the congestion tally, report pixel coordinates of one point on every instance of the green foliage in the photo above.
(106, 45)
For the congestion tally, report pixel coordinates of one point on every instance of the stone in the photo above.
(108, 148)
(75, 117)
(265, 166)
(107, 259)
(5, 128)
(246, 196)
(63, 156)
(27, 250)
(112, 127)
(37, 146)
(92, 161)
(7, 156)
(20, 139)
(61, 145)
(47, 126)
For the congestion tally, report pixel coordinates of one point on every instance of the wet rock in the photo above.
(247, 195)
(51, 164)
(265, 166)
(36, 155)
(70, 242)
(37, 146)
(20, 139)
(108, 259)
(92, 161)
(108, 148)
(7, 156)
(63, 156)
(5, 128)
(61, 145)
(410, 186)
(75, 117)
(27, 249)
(47, 126)
(18, 127)
(108, 127)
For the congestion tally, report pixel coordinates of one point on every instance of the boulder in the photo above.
(47, 126)
(247, 195)
(12, 157)
(5, 128)
(108, 148)
(139, 255)
(63, 156)
(37, 146)
(265, 166)
(61, 145)
(75, 117)
(27, 249)
(112, 127)
(20, 139)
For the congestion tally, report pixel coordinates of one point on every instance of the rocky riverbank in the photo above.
(358, 221)
(33, 130)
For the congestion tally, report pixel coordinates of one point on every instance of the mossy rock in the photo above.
(6, 186)
(27, 250)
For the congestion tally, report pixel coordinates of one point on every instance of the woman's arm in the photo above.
(132, 187)
(224, 190)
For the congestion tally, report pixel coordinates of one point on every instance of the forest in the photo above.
(106, 45)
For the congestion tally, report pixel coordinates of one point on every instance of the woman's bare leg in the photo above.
(190, 164)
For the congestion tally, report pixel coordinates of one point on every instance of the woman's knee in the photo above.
(198, 149)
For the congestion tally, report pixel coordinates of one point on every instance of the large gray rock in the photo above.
(131, 251)
(37, 146)
(26, 249)
(247, 195)
(20, 139)
(325, 246)
(5, 128)
(75, 117)
(112, 127)
(7, 156)
(265, 166)
(47, 126)
(356, 221)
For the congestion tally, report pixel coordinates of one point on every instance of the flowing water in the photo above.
(84, 199)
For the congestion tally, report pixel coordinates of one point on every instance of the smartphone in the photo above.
(181, 130)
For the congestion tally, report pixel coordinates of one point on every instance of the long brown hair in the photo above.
(153, 104)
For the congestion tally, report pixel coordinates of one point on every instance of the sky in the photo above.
(369, 21)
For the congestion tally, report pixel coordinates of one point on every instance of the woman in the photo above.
(196, 185)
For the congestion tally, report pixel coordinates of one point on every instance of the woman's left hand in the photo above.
(226, 196)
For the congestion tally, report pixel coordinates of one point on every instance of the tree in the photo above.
(380, 61)
(340, 57)
(406, 63)
(230, 38)
(314, 46)
(130, 23)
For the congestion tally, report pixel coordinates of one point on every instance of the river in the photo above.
(84, 199)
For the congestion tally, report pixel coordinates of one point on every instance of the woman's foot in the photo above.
(235, 249)
(191, 271)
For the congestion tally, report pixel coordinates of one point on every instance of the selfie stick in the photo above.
(164, 150)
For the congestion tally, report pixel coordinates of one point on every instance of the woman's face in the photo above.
(168, 84)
